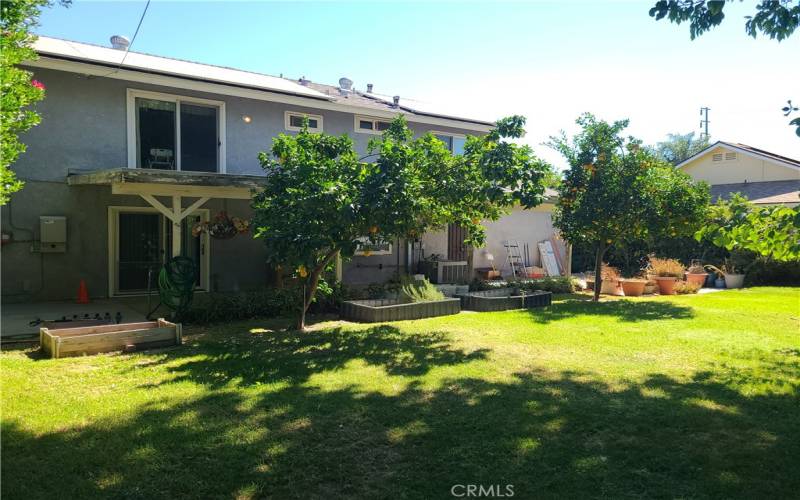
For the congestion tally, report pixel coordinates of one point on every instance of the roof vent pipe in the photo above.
(120, 42)
(396, 100)
(345, 83)
(369, 88)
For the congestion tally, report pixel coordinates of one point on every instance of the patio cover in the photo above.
(149, 183)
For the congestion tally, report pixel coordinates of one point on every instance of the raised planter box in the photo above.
(379, 310)
(504, 299)
(62, 342)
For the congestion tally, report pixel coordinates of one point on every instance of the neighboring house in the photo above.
(130, 156)
(764, 178)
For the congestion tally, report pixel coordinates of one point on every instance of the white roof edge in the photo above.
(755, 154)
(84, 53)
(175, 81)
(113, 58)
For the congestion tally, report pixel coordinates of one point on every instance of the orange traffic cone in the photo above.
(83, 293)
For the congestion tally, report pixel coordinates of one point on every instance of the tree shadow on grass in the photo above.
(287, 356)
(624, 310)
(549, 434)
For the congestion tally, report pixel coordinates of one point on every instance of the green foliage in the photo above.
(679, 147)
(267, 303)
(788, 110)
(772, 232)
(412, 290)
(555, 285)
(19, 92)
(319, 200)
(777, 19)
(618, 193)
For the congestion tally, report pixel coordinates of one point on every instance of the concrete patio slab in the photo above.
(17, 319)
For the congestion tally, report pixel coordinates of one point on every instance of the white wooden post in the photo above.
(177, 237)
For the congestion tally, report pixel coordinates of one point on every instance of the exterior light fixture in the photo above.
(246, 118)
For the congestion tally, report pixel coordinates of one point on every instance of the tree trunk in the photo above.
(311, 288)
(598, 266)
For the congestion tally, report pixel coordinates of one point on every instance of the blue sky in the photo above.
(549, 61)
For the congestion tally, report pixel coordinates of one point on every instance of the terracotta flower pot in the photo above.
(633, 287)
(699, 278)
(666, 284)
(609, 287)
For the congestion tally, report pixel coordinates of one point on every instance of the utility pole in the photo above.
(704, 122)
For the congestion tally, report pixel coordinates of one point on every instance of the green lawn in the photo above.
(673, 397)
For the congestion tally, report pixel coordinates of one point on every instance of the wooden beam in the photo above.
(176, 226)
(159, 206)
(194, 206)
(138, 188)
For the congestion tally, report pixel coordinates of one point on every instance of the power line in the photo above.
(128, 48)
(144, 12)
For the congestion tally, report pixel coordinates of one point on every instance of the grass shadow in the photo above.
(574, 306)
(549, 434)
(289, 356)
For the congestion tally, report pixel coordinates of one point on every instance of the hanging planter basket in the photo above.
(222, 227)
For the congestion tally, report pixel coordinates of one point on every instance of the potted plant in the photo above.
(667, 272)
(719, 281)
(634, 286)
(611, 280)
(696, 273)
(729, 275)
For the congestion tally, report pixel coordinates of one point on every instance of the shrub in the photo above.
(560, 284)
(266, 303)
(684, 287)
(412, 290)
(666, 267)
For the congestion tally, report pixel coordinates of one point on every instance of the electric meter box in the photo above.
(53, 233)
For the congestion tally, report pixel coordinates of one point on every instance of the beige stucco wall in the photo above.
(525, 226)
(745, 168)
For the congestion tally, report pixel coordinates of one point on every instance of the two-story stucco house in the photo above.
(130, 156)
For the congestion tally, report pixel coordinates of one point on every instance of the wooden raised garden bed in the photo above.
(378, 310)
(62, 342)
(504, 299)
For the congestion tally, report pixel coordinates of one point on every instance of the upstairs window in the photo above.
(294, 121)
(367, 125)
(168, 132)
(453, 142)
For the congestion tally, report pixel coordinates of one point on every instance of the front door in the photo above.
(144, 241)
(456, 248)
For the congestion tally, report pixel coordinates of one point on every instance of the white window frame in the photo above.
(287, 123)
(132, 94)
(361, 252)
(113, 249)
(374, 120)
(449, 134)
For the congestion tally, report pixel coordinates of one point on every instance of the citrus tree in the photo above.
(737, 224)
(616, 192)
(320, 200)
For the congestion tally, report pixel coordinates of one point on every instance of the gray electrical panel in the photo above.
(53, 233)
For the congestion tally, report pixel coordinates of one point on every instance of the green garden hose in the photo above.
(176, 283)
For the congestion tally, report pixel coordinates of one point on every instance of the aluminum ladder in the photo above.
(514, 258)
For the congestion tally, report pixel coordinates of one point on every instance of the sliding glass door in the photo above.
(176, 133)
